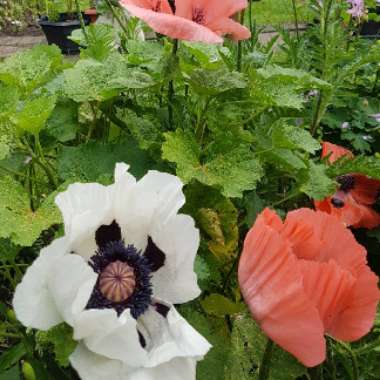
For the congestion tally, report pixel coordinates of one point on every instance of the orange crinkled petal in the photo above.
(272, 286)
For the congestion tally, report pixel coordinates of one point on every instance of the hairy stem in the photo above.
(82, 24)
(266, 361)
(171, 86)
(240, 44)
(117, 18)
(295, 14)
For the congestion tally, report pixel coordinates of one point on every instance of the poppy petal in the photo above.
(357, 318)
(162, 6)
(174, 26)
(366, 190)
(230, 27)
(347, 214)
(334, 151)
(328, 230)
(327, 286)
(273, 289)
(369, 218)
(213, 9)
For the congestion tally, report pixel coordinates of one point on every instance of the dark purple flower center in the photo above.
(346, 182)
(124, 272)
(198, 15)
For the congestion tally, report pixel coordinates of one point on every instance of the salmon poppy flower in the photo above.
(191, 20)
(304, 278)
(356, 193)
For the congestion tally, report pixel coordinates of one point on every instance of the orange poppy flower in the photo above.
(191, 20)
(352, 202)
(304, 278)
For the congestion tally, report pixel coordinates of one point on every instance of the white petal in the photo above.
(154, 199)
(176, 369)
(176, 281)
(104, 333)
(170, 337)
(91, 366)
(85, 207)
(33, 302)
(71, 281)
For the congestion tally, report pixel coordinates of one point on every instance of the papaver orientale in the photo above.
(126, 257)
(191, 20)
(352, 202)
(304, 278)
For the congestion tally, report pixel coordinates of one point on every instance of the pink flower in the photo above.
(191, 20)
(357, 8)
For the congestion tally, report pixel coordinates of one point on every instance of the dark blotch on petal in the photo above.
(106, 234)
(336, 202)
(154, 255)
(162, 309)
(141, 339)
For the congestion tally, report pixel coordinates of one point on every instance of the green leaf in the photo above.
(32, 68)
(91, 80)
(219, 305)
(60, 338)
(63, 122)
(316, 183)
(144, 129)
(275, 86)
(9, 96)
(33, 116)
(292, 137)
(247, 348)
(17, 221)
(366, 165)
(302, 78)
(11, 356)
(99, 42)
(216, 332)
(234, 171)
(201, 268)
(214, 82)
(89, 162)
(11, 374)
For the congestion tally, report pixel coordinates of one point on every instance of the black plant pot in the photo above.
(371, 28)
(57, 32)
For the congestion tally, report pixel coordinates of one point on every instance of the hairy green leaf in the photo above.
(32, 68)
(89, 162)
(219, 305)
(247, 348)
(316, 183)
(60, 338)
(18, 222)
(234, 171)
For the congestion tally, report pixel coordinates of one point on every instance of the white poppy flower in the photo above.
(127, 256)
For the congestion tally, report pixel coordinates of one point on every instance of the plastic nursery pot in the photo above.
(371, 29)
(92, 14)
(57, 32)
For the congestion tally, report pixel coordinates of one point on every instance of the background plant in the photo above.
(245, 133)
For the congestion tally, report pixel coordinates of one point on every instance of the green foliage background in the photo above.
(241, 126)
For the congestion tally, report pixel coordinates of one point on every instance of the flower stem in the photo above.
(117, 18)
(265, 361)
(240, 44)
(295, 14)
(171, 85)
(82, 24)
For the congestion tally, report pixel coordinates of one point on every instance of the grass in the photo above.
(278, 12)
